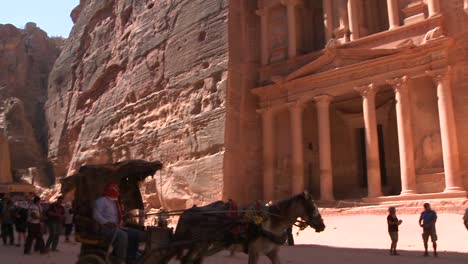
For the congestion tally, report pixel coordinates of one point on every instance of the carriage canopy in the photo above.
(89, 182)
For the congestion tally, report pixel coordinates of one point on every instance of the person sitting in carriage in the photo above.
(107, 212)
(163, 215)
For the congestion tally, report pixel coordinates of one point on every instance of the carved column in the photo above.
(353, 16)
(292, 26)
(453, 179)
(405, 135)
(326, 175)
(433, 7)
(297, 181)
(372, 142)
(328, 19)
(265, 45)
(343, 31)
(268, 153)
(393, 13)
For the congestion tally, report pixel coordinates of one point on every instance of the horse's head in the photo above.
(311, 213)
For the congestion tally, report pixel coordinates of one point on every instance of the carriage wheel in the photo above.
(91, 259)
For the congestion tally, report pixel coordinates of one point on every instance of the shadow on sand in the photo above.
(305, 254)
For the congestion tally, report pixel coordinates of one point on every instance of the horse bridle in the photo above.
(302, 224)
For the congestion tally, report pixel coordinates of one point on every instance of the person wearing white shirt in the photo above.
(107, 211)
(34, 227)
(68, 222)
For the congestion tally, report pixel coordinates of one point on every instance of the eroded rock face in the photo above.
(26, 58)
(144, 80)
(5, 163)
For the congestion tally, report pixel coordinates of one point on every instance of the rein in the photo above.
(299, 223)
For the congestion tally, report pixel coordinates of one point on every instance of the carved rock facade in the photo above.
(243, 98)
(403, 135)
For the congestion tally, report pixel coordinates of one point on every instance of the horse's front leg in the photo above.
(188, 258)
(253, 257)
(273, 256)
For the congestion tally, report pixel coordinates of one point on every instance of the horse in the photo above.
(265, 239)
(283, 215)
(204, 231)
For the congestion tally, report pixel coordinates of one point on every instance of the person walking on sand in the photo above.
(56, 217)
(21, 222)
(7, 222)
(34, 227)
(427, 221)
(393, 223)
(68, 222)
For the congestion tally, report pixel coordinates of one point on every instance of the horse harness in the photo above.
(281, 239)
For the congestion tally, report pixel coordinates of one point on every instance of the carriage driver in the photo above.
(108, 212)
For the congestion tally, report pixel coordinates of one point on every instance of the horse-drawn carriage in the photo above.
(200, 232)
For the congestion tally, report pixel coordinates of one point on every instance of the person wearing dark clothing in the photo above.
(290, 236)
(21, 224)
(7, 222)
(162, 217)
(465, 218)
(56, 217)
(34, 227)
(393, 223)
(68, 223)
(427, 221)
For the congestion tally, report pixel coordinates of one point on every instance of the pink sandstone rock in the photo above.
(144, 80)
(225, 94)
(5, 162)
(26, 58)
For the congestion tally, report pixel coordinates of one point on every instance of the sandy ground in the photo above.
(347, 239)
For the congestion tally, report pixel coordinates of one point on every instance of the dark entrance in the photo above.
(362, 155)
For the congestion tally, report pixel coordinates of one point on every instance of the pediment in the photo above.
(335, 58)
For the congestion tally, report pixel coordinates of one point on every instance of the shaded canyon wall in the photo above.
(26, 58)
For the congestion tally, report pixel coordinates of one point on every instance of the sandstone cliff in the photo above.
(5, 162)
(144, 80)
(26, 58)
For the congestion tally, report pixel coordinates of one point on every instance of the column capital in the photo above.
(271, 109)
(398, 83)
(261, 12)
(366, 90)
(440, 75)
(323, 100)
(263, 111)
(296, 105)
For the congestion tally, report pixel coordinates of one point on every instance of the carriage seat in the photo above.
(90, 240)
(87, 231)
